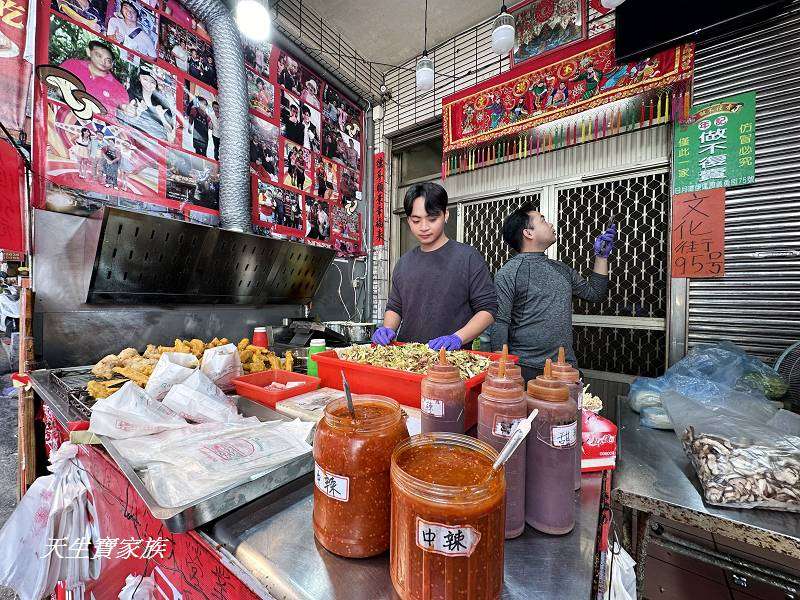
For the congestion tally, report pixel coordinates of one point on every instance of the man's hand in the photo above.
(448, 342)
(604, 244)
(383, 336)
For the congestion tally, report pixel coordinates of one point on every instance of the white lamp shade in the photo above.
(503, 34)
(253, 19)
(611, 4)
(424, 74)
(377, 112)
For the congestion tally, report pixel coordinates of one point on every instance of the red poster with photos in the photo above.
(12, 173)
(151, 143)
(698, 234)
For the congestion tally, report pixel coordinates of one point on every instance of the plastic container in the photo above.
(447, 519)
(443, 394)
(512, 372)
(501, 405)
(253, 386)
(352, 459)
(563, 371)
(402, 386)
(315, 347)
(549, 474)
(260, 337)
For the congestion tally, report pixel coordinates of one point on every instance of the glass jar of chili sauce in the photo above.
(563, 371)
(352, 458)
(501, 406)
(550, 468)
(443, 397)
(448, 518)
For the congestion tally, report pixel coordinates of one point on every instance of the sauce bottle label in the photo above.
(564, 436)
(447, 539)
(435, 408)
(504, 426)
(332, 485)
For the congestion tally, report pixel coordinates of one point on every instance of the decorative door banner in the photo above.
(564, 83)
(716, 145)
(698, 234)
(12, 173)
(379, 184)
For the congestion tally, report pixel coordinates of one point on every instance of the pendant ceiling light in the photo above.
(253, 19)
(503, 32)
(425, 64)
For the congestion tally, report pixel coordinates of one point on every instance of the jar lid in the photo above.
(260, 329)
(547, 387)
(563, 371)
(317, 342)
(443, 371)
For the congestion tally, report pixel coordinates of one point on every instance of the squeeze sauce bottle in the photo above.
(563, 371)
(501, 405)
(512, 371)
(443, 396)
(550, 468)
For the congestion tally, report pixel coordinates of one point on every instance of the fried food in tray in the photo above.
(137, 368)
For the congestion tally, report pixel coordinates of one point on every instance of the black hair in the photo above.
(97, 44)
(515, 224)
(435, 198)
(306, 110)
(132, 5)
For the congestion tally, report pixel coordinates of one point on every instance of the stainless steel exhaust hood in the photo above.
(143, 259)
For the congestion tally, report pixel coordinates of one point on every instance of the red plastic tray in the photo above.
(252, 386)
(402, 386)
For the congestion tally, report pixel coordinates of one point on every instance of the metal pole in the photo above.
(366, 193)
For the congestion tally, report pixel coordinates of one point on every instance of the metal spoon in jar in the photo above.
(521, 431)
(349, 396)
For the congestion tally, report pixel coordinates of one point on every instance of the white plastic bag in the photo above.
(222, 365)
(138, 587)
(130, 412)
(195, 466)
(55, 507)
(621, 577)
(196, 406)
(171, 368)
(200, 382)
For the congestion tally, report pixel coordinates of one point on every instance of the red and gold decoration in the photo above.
(379, 184)
(501, 118)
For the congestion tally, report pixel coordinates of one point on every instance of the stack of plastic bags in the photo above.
(718, 371)
(181, 462)
(47, 539)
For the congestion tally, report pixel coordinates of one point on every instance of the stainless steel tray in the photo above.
(191, 516)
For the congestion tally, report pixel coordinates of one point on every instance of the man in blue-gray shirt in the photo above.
(534, 293)
(442, 292)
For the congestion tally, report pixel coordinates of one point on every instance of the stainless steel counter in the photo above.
(273, 539)
(654, 476)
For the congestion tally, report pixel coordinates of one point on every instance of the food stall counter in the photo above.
(273, 539)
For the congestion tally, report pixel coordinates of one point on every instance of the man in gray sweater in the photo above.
(534, 293)
(442, 292)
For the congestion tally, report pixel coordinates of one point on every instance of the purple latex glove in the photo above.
(448, 342)
(383, 336)
(604, 243)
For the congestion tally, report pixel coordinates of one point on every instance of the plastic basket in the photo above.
(253, 386)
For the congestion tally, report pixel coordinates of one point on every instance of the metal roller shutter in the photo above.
(757, 303)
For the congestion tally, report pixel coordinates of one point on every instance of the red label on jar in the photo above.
(447, 540)
(332, 485)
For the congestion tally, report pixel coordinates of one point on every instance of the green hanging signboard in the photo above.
(716, 147)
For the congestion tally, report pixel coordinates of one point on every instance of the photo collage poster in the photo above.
(154, 145)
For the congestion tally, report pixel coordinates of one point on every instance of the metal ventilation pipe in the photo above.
(234, 156)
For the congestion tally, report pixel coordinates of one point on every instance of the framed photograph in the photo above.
(257, 56)
(298, 166)
(264, 152)
(188, 52)
(89, 13)
(291, 122)
(201, 113)
(266, 200)
(152, 93)
(181, 15)
(341, 113)
(318, 220)
(133, 25)
(192, 180)
(326, 182)
(289, 214)
(545, 26)
(261, 94)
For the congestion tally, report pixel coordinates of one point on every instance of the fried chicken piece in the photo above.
(257, 365)
(103, 369)
(182, 347)
(153, 352)
(143, 365)
(197, 347)
(136, 377)
(246, 356)
(224, 342)
(128, 353)
(243, 344)
(212, 344)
